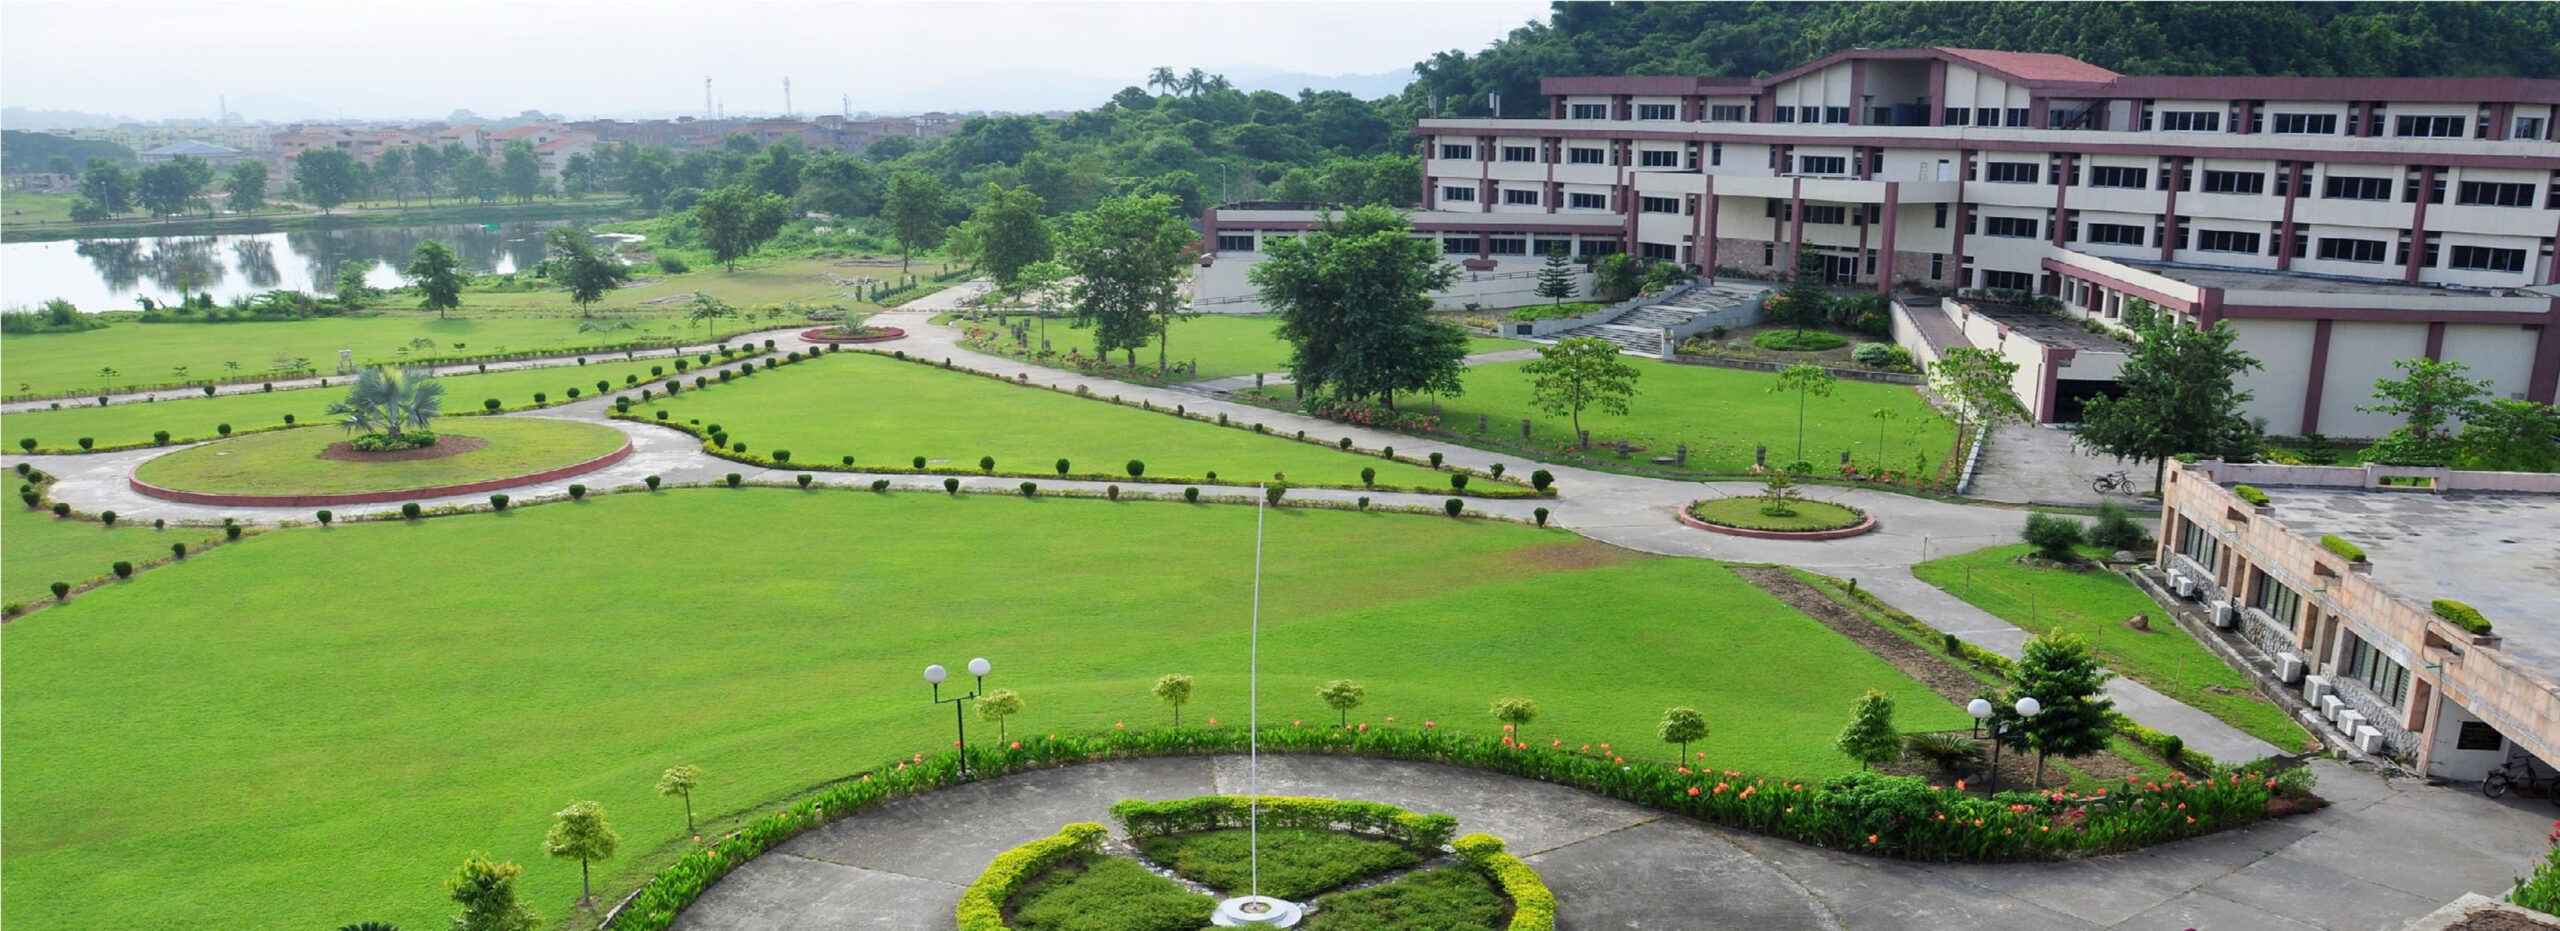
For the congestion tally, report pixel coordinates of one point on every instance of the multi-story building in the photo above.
(2338, 223)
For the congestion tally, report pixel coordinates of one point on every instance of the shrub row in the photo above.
(1533, 906)
(1862, 812)
(2251, 494)
(982, 905)
(648, 344)
(2462, 615)
(1140, 818)
(2342, 546)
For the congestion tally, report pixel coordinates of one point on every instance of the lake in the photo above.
(114, 274)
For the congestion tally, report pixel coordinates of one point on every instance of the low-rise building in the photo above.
(207, 152)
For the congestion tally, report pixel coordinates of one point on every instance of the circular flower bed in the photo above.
(1801, 520)
(863, 334)
(315, 466)
(1799, 340)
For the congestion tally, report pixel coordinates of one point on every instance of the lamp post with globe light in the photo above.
(935, 674)
(1981, 709)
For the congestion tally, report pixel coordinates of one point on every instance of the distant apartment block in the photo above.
(2338, 223)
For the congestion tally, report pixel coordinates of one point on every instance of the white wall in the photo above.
(2459, 765)
(2360, 354)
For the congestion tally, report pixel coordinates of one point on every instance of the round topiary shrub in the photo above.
(622, 405)
(918, 461)
(29, 445)
(683, 364)
(32, 499)
(1541, 515)
(672, 385)
(1368, 476)
(1458, 480)
(701, 382)
(411, 510)
(231, 531)
(1111, 492)
(498, 502)
(986, 463)
(288, 420)
(848, 461)
(107, 517)
(61, 591)
(1386, 452)
(271, 386)
(1435, 460)
(1345, 443)
(491, 403)
(1062, 467)
(1213, 475)
(628, 380)
(782, 455)
(662, 415)
(87, 442)
(734, 479)
(1137, 468)
(208, 391)
(1271, 493)
(1497, 470)
(222, 428)
(177, 551)
(325, 517)
(951, 485)
(158, 438)
(1029, 488)
(573, 394)
(123, 569)
(603, 386)
(879, 484)
(541, 398)
(1453, 506)
(652, 482)
(1541, 479)
(1191, 494)
(1364, 502)
(61, 510)
(657, 370)
(577, 492)
(805, 478)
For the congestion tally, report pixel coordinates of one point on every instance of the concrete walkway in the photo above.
(1616, 865)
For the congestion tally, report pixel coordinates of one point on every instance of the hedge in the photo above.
(2251, 494)
(982, 905)
(1533, 907)
(2462, 615)
(1210, 812)
(2342, 546)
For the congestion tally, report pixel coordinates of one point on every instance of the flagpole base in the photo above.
(1256, 911)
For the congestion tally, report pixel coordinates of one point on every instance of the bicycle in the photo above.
(2517, 774)
(2116, 482)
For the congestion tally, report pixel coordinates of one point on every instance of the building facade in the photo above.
(2339, 223)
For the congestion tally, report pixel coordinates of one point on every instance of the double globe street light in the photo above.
(1981, 709)
(934, 674)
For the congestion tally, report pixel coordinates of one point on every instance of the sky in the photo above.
(402, 58)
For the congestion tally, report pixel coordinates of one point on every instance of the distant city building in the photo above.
(202, 151)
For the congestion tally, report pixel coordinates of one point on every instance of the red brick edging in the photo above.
(380, 497)
(820, 335)
(1852, 530)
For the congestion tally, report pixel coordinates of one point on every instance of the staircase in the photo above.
(1639, 331)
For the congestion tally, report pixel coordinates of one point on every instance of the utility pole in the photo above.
(786, 97)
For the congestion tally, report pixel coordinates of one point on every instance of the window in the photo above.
(2017, 116)
(2495, 194)
(2234, 182)
(1590, 111)
(2305, 124)
(1553, 246)
(1588, 201)
(2226, 241)
(1582, 156)
(1986, 116)
(1941, 220)
(2197, 542)
(2191, 121)
(2268, 595)
(1822, 165)
(2431, 127)
(1506, 245)
(1520, 197)
(2008, 281)
(1519, 153)
(1715, 153)
(2011, 172)
(1834, 215)
(1658, 158)
(1467, 194)
(1785, 114)
(1455, 245)
(1835, 114)
(2527, 127)
(1658, 204)
(1656, 250)
(2347, 187)
(2011, 227)
(2485, 259)
(1957, 116)
(1657, 111)
(2351, 250)
(2112, 176)
(2377, 670)
(1729, 113)
(1232, 242)
(1457, 151)
(2115, 234)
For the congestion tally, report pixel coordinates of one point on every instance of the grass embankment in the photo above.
(1223, 345)
(885, 412)
(43, 549)
(287, 462)
(281, 217)
(312, 727)
(2094, 604)
(1720, 413)
(200, 418)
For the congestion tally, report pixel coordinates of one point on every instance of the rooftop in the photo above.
(2048, 329)
(192, 147)
(2247, 279)
(2497, 553)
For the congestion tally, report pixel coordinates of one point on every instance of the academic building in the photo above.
(2338, 224)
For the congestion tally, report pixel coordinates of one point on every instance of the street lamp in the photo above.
(934, 674)
(1981, 709)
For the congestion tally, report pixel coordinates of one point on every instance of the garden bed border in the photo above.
(380, 497)
(1866, 524)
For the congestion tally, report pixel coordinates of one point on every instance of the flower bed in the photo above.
(1742, 517)
(1866, 813)
(869, 334)
(1212, 812)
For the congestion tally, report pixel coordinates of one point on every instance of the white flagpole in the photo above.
(1253, 707)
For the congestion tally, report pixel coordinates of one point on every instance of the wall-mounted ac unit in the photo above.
(2315, 688)
(2184, 584)
(2368, 739)
(2225, 616)
(2289, 668)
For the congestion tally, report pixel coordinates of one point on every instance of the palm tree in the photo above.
(1164, 77)
(1216, 83)
(1193, 81)
(387, 400)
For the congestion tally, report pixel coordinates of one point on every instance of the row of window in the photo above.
(2176, 121)
(2334, 187)
(1525, 197)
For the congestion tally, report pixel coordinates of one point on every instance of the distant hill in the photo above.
(21, 118)
(1363, 86)
(29, 152)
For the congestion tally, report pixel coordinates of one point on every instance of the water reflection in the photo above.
(114, 274)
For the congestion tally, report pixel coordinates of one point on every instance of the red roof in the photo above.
(519, 132)
(2034, 66)
(557, 145)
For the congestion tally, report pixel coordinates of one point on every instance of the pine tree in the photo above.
(1556, 281)
(1870, 738)
(2060, 673)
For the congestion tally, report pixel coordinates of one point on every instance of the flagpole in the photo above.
(1253, 706)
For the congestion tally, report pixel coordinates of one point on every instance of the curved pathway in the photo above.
(1615, 865)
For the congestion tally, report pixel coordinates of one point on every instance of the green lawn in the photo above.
(884, 411)
(1093, 892)
(1448, 898)
(1747, 513)
(2094, 604)
(208, 742)
(287, 462)
(756, 286)
(1721, 413)
(197, 418)
(43, 550)
(1224, 345)
(22, 207)
(1296, 863)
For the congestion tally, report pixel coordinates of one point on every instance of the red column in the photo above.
(2418, 224)
(1956, 215)
(2544, 384)
(2061, 196)
(1857, 91)
(1707, 230)
(2290, 175)
(1552, 149)
(2500, 120)
(1937, 92)
(2435, 340)
(2319, 377)
(2169, 211)
(1884, 252)
(1795, 236)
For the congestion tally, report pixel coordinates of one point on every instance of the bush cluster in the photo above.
(2342, 546)
(2251, 494)
(1533, 905)
(2462, 615)
(1212, 812)
(982, 904)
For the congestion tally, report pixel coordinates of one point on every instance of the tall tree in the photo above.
(1807, 380)
(1354, 296)
(1805, 301)
(1006, 232)
(735, 220)
(474, 178)
(438, 275)
(108, 186)
(2180, 396)
(520, 171)
(2512, 435)
(581, 834)
(1129, 260)
(392, 174)
(2431, 396)
(1556, 281)
(352, 288)
(914, 210)
(486, 890)
(1163, 77)
(842, 185)
(645, 179)
(777, 169)
(2060, 673)
(581, 176)
(169, 188)
(245, 187)
(579, 267)
(326, 177)
(1575, 373)
(427, 167)
(1870, 738)
(1976, 383)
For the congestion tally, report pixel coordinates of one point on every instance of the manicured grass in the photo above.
(886, 412)
(147, 353)
(21, 207)
(43, 550)
(1450, 898)
(197, 418)
(287, 462)
(2094, 604)
(1747, 513)
(1721, 413)
(1100, 893)
(1799, 341)
(1223, 344)
(312, 727)
(755, 287)
(1296, 862)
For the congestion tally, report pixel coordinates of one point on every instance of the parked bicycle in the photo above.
(2116, 482)
(2519, 774)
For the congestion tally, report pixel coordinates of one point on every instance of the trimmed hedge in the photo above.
(1533, 906)
(1141, 818)
(2251, 494)
(2462, 615)
(2342, 546)
(982, 905)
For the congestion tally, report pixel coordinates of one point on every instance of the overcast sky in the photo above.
(358, 58)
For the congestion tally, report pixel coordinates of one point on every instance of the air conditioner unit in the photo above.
(2289, 668)
(2369, 739)
(2185, 585)
(2349, 719)
(2315, 688)
(2224, 616)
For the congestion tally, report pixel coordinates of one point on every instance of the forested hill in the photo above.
(1734, 39)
